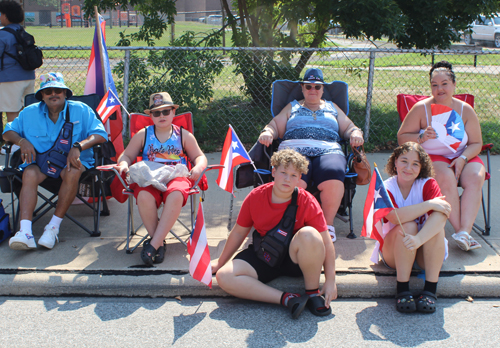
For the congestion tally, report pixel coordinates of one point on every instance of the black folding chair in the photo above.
(93, 182)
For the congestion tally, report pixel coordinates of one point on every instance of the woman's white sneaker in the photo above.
(22, 241)
(49, 237)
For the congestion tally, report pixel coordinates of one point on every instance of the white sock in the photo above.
(26, 226)
(55, 221)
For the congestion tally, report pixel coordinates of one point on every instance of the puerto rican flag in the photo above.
(233, 154)
(100, 80)
(108, 105)
(449, 126)
(377, 205)
(199, 263)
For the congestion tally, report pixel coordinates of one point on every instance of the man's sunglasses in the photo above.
(49, 91)
(316, 87)
(164, 112)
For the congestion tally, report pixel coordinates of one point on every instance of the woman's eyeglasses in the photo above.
(164, 112)
(49, 91)
(316, 87)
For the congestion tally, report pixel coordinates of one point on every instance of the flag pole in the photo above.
(101, 53)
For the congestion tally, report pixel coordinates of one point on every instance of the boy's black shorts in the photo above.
(264, 272)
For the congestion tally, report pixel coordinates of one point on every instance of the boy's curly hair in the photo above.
(426, 169)
(288, 157)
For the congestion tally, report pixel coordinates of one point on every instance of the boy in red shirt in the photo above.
(310, 249)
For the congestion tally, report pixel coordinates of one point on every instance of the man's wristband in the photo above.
(265, 130)
(20, 141)
(465, 158)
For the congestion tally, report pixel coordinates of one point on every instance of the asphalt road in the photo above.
(228, 322)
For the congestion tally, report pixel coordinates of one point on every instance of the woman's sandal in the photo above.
(148, 254)
(426, 302)
(160, 253)
(405, 303)
(316, 305)
(462, 239)
(297, 305)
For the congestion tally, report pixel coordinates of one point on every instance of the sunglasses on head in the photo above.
(164, 112)
(49, 91)
(316, 87)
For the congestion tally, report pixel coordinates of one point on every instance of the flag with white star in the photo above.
(233, 154)
(449, 126)
(108, 105)
(377, 205)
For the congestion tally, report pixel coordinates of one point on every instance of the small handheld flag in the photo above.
(377, 205)
(233, 154)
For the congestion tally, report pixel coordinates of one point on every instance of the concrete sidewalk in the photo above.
(81, 265)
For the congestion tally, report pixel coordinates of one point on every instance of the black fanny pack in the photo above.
(273, 247)
(53, 161)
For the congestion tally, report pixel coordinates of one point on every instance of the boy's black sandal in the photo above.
(426, 302)
(317, 306)
(405, 303)
(297, 305)
(160, 253)
(148, 254)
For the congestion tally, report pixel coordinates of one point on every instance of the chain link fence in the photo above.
(233, 86)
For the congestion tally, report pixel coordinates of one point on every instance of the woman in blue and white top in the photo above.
(313, 127)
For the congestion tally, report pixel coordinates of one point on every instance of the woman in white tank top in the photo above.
(449, 130)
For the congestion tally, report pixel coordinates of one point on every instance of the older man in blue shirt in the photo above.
(55, 123)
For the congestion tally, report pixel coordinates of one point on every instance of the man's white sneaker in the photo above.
(331, 230)
(49, 236)
(22, 241)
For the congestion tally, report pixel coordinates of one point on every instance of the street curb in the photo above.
(167, 285)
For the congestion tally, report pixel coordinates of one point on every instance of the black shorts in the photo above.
(264, 272)
(324, 168)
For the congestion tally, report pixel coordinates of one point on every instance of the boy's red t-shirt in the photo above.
(258, 211)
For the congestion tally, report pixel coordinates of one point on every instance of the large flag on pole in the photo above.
(233, 154)
(377, 205)
(100, 79)
(199, 263)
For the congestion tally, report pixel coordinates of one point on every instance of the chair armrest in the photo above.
(210, 167)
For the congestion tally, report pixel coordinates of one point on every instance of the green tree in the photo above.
(258, 23)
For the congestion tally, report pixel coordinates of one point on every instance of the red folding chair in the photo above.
(138, 122)
(407, 101)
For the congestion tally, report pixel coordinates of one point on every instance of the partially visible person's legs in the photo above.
(327, 173)
(240, 279)
(174, 199)
(66, 196)
(32, 177)
(397, 256)
(308, 251)
(430, 257)
(448, 184)
(471, 180)
(12, 96)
